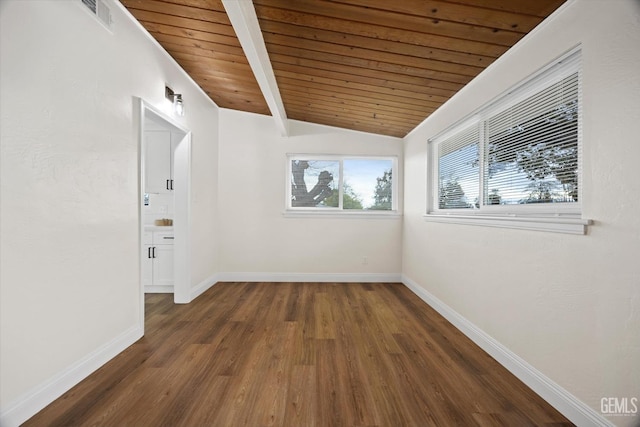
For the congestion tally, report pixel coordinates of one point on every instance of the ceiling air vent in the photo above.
(100, 10)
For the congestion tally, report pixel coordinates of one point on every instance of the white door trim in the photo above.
(182, 222)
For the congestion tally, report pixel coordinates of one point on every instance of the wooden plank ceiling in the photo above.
(379, 66)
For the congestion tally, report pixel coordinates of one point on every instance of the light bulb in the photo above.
(178, 106)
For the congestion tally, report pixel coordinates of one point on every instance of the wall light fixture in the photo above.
(176, 100)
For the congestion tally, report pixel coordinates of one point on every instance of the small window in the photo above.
(335, 183)
(519, 155)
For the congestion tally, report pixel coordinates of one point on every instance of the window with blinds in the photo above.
(522, 150)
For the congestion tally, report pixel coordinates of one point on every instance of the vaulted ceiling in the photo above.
(379, 66)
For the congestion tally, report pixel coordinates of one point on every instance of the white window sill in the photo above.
(359, 214)
(556, 224)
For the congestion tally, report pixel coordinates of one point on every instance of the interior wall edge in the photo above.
(204, 286)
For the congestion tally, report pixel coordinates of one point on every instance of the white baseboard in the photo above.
(33, 401)
(292, 277)
(310, 277)
(567, 404)
(204, 285)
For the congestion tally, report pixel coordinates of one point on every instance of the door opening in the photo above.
(165, 163)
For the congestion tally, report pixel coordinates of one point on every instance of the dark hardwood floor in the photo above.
(299, 354)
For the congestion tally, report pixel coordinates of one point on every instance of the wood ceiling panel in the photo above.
(454, 80)
(219, 39)
(337, 54)
(351, 40)
(202, 49)
(375, 50)
(349, 114)
(352, 115)
(373, 126)
(459, 12)
(366, 94)
(377, 32)
(290, 64)
(199, 36)
(378, 66)
(367, 15)
(195, 48)
(340, 98)
(196, 68)
(328, 104)
(145, 16)
(227, 67)
(176, 10)
(201, 4)
(539, 8)
(372, 91)
(301, 94)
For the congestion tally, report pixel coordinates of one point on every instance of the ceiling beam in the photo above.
(244, 20)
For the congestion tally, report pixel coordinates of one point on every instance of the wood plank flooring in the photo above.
(303, 355)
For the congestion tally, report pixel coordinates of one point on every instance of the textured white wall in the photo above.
(69, 183)
(568, 305)
(255, 237)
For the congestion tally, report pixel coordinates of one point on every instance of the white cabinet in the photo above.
(157, 261)
(158, 159)
(163, 265)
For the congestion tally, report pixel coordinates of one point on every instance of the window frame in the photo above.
(296, 211)
(558, 217)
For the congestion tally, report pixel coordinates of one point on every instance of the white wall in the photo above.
(256, 238)
(569, 305)
(69, 185)
(69, 284)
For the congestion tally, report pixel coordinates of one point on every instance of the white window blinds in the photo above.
(522, 149)
(531, 153)
(458, 170)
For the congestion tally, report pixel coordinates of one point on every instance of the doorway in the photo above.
(177, 196)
